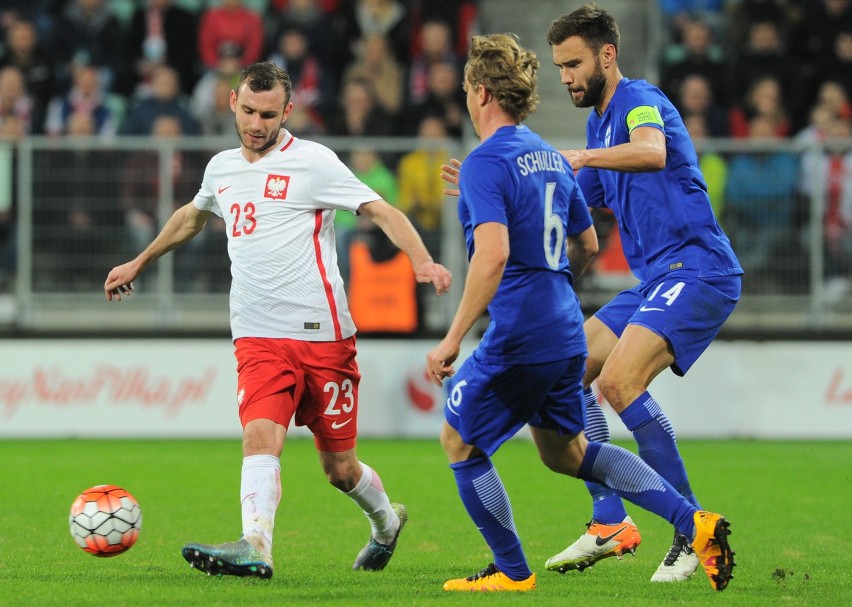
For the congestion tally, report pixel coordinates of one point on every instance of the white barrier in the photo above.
(187, 388)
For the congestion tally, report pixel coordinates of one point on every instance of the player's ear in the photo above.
(482, 94)
(233, 100)
(610, 54)
(287, 110)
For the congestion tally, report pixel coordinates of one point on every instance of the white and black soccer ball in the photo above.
(105, 520)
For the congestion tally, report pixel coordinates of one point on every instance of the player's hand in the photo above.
(576, 158)
(120, 281)
(439, 361)
(450, 174)
(435, 273)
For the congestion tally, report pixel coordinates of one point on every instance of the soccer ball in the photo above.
(105, 520)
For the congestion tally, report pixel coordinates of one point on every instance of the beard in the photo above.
(258, 148)
(594, 91)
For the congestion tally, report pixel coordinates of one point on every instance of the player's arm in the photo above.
(398, 228)
(582, 248)
(644, 153)
(184, 224)
(490, 253)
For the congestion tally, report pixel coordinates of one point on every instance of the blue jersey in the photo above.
(517, 179)
(665, 218)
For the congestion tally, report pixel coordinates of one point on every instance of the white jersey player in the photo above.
(294, 338)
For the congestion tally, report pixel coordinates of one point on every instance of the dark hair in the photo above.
(594, 25)
(264, 76)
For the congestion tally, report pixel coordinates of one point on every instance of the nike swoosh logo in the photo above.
(336, 425)
(647, 309)
(223, 189)
(600, 541)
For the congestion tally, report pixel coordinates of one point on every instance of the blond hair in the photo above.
(506, 70)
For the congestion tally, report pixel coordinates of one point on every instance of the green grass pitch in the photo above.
(788, 503)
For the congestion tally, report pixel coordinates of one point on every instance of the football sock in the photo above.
(657, 442)
(260, 493)
(370, 496)
(607, 507)
(485, 500)
(637, 482)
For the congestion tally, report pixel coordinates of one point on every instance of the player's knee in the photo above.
(342, 475)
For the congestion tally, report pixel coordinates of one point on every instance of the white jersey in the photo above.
(279, 212)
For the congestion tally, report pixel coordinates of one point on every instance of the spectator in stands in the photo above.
(24, 51)
(376, 65)
(821, 21)
(228, 68)
(312, 89)
(676, 13)
(713, 166)
(695, 98)
(743, 14)
(381, 288)
(827, 172)
(219, 120)
(760, 201)
(309, 15)
(162, 33)
(763, 98)
(11, 130)
(360, 18)
(461, 15)
(359, 114)
(696, 54)
(421, 195)
(445, 99)
(230, 23)
(766, 56)
(436, 46)
(140, 196)
(16, 104)
(88, 33)
(77, 225)
(85, 97)
(837, 65)
(165, 100)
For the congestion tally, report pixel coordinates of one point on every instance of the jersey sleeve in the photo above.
(483, 183)
(592, 187)
(205, 199)
(579, 218)
(642, 108)
(334, 186)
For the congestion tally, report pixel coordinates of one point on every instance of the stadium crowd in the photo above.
(734, 68)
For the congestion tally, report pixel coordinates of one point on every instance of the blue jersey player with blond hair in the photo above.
(528, 232)
(640, 163)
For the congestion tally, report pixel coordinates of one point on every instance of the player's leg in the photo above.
(607, 507)
(676, 322)
(640, 356)
(487, 503)
(364, 486)
(609, 517)
(329, 408)
(267, 399)
(487, 405)
(637, 482)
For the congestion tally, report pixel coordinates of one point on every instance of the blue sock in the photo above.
(485, 499)
(636, 481)
(657, 442)
(607, 507)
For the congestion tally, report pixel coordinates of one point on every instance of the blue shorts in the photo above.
(683, 309)
(488, 404)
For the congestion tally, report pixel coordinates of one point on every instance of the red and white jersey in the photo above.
(279, 212)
